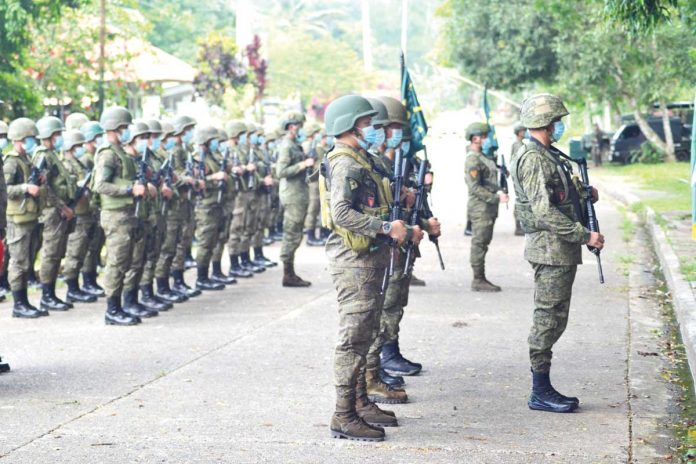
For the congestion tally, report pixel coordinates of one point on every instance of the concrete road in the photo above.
(244, 375)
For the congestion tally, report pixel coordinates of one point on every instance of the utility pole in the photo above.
(366, 35)
(404, 25)
(102, 53)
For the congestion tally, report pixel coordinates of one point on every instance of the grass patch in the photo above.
(687, 266)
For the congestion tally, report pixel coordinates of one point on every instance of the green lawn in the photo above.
(670, 178)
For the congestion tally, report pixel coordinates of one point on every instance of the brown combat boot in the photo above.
(380, 392)
(290, 279)
(482, 285)
(373, 415)
(345, 423)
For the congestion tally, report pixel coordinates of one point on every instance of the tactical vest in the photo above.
(18, 213)
(58, 177)
(78, 172)
(355, 242)
(565, 189)
(210, 196)
(124, 177)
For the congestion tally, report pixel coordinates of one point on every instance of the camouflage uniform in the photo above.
(294, 196)
(85, 224)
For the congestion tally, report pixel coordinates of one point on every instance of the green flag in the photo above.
(414, 112)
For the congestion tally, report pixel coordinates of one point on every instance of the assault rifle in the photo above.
(189, 172)
(201, 170)
(142, 178)
(590, 216)
(236, 163)
(503, 178)
(413, 220)
(251, 176)
(80, 191)
(312, 154)
(35, 177)
(394, 215)
(222, 185)
(166, 174)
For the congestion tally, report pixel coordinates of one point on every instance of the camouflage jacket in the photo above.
(482, 181)
(547, 203)
(293, 185)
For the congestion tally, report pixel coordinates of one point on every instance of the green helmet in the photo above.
(311, 129)
(381, 118)
(293, 117)
(476, 128)
(260, 130)
(541, 110)
(396, 111)
(343, 112)
(115, 117)
(251, 128)
(136, 129)
(73, 138)
(167, 129)
(205, 134)
(75, 121)
(22, 128)
(155, 126)
(91, 130)
(181, 123)
(518, 127)
(48, 126)
(222, 135)
(3, 128)
(235, 128)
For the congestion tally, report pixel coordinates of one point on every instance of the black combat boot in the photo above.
(394, 363)
(75, 295)
(4, 286)
(204, 283)
(236, 270)
(22, 308)
(133, 307)
(90, 285)
(545, 398)
(394, 381)
(247, 265)
(312, 239)
(115, 314)
(260, 258)
(166, 294)
(49, 300)
(219, 276)
(150, 301)
(181, 287)
(4, 367)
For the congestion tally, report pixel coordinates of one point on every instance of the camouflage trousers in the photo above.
(293, 220)
(79, 241)
(482, 234)
(153, 249)
(19, 241)
(55, 242)
(172, 236)
(5, 257)
(142, 236)
(312, 220)
(242, 223)
(36, 242)
(553, 286)
(359, 311)
(263, 219)
(208, 226)
(224, 233)
(395, 299)
(119, 229)
(188, 227)
(95, 246)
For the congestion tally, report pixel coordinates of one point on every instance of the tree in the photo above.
(640, 16)
(219, 68)
(258, 65)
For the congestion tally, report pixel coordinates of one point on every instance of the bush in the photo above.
(647, 154)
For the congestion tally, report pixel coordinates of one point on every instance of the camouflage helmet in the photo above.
(251, 128)
(91, 130)
(3, 128)
(115, 117)
(49, 125)
(396, 111)
(235, 128)
(181, 123)
(293, 117)
(22, 128)
(222, 135)
(136, 129)
(75, 121)
(312, 128)
(541, 110)
(342, 113)
(381, 118)
(167, 129)
(260, 130)
(73, 138)
(205, 134)
(155, 126)
(517, 128)
(271, 135)
(476, 128)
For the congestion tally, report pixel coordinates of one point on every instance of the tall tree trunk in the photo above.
(648, 131)
(669, 137)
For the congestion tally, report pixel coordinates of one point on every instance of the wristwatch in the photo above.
(386, 228)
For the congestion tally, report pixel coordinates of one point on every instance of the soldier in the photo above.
(355, 201)
(519, 131)
(275, 233)
(85, 222)
(294, 194)
(548, 205)
(94, 137)
(311, 222)
(114, 181)
(75, 121)
(23, 210)
(56, 215)
(253, 181)
(484, 196)
(264, 188)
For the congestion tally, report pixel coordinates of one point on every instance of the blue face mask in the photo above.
(224, 146)
(558, 130)
(242, 139)
(527, 135)
(317, 137)
(381, 135)
(262, 140)
(395, 139)
(406, 148)
(486, 146)
(29, 145)
(125, 135)
(330, 140)
(188, 136)
(300, 137)
(254, 139)
(169, 144)
(369, 136)
(214, 145)
(271, 145)
(79, 152)
(4, 143)
(156, 143)
(58, 142)
(99, 140)
(141, 145)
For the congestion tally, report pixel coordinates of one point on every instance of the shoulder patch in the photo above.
(473, 172)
